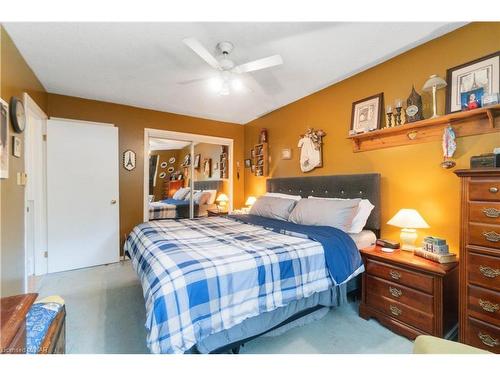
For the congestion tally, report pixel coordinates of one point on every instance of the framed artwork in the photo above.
(467, 83)
(129, 160)
(197, 158)
(187, 160)
(252, 153)
(207, 168)
(366, 114)
(248, 163)
(16, 146)
(4, 139)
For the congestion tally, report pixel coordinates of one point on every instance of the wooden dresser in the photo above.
(410, 295)
(480, 258)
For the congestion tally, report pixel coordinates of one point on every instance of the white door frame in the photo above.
(39, 192)
(187, 137)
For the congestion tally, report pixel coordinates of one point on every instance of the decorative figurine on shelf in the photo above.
(449, 147)
(388, 112)
(398, 104)
(263, 136)
(311, 147)
(414, 107)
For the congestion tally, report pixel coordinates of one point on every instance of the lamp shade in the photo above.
(434, 80)
(250, 201)
(408, 218)
(222, 198)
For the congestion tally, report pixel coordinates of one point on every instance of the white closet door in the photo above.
(82, 193)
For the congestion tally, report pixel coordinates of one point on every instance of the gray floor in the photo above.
(105, 314)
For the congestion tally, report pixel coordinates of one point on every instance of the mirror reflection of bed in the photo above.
(171, 170)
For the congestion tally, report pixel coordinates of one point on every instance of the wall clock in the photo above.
(129, 160)
(17, 115)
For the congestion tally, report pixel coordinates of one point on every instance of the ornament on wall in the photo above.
(311, 145)
(129, 160)
(449, 147)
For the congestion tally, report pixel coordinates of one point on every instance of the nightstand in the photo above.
(408, 294)
(212, 213)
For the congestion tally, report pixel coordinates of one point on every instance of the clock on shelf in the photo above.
(17, 115)
(414, 107)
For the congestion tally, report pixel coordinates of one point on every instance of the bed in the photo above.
(211, 284)
(177, 209)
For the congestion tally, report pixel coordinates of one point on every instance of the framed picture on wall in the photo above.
(197, 158)
(4, 139)
(467, 83)
(248, 163)
(16, 146)
(366, 114)
(207, 168)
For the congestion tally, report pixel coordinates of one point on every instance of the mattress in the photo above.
(364, 238)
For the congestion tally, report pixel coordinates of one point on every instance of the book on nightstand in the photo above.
(440, 258)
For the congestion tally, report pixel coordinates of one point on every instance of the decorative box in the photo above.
(485, 161)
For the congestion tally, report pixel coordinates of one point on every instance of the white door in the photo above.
(82, 189)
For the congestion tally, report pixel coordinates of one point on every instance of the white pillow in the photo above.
(201, 197)
(181, 193)
(332, 213)
(365, 208)
(285, 196)
(213, 195)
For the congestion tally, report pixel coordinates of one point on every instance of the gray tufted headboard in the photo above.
(366, 186)
(209, 185)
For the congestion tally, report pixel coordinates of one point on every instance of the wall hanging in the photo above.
(171, 160)
(449, 147)
(129, 160)
(16, 146)
(4, 139)
(163, 164)
(207, 168)
(197, 158)
(311, 145)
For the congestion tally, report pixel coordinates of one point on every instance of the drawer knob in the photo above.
(493, 189)
(491, 212)
(394, 310)
(488, 306)
(489, 272)
(395, 274)
(395, 292)
(488, 340)
(491, 236)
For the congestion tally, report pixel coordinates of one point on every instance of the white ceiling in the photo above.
(141, 64)
(156, 144)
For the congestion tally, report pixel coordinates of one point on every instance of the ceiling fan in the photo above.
(228, 70)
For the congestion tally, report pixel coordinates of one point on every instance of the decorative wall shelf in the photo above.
(477, 121)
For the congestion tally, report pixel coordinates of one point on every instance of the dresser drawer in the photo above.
(484, 212)
(482, 335)
(484, 304)
(408, 296)
(401, 312)
(484, 235)
(400, 275)
(483, 270)
(484, 190)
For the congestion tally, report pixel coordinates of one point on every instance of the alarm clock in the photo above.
(17, 115)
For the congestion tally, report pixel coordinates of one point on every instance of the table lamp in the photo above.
(222, 200)
(408, 220)
(433, 84)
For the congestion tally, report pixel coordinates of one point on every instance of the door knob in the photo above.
(113, 201)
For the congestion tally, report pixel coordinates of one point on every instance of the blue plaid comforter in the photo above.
(205, 275)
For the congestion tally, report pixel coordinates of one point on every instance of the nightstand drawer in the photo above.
(483, 270)
(482, 335)
(408, 296)
(401, 276)
(484, 212)
(484, 190)
(484, 235)
(484, 304)
(401, 312)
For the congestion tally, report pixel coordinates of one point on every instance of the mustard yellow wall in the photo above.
(411, 175)
(16, 78)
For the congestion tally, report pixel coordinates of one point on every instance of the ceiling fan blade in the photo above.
(201, 51)
(195, 80)
(266, 62)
